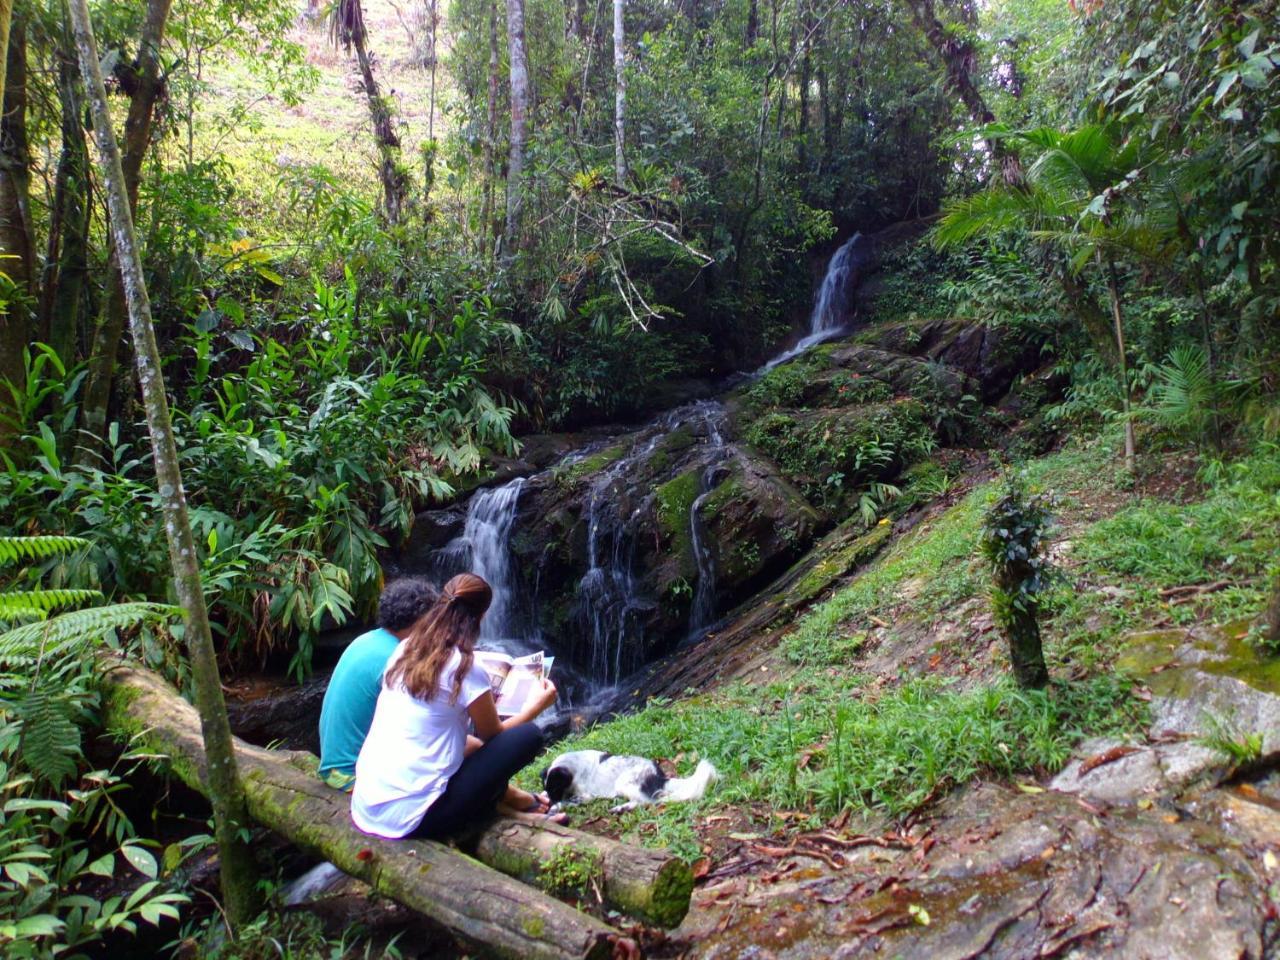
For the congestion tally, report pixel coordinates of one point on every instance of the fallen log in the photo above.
(651, 885)
(475, 901)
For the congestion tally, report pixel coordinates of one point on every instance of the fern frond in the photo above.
(42, 602)
(50, 740)
(37, 548)
(26, 643)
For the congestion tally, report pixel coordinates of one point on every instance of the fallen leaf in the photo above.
(701, 867)
(919, 913)
(1030, 788)
(744, 836)
(364, 854)
(1269, 861)
(1107, 756)
(1047, 853)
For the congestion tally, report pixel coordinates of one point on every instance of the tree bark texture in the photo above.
(238, 874)
(105, 350)
(15, 318)
(519, 69)
(474, 901)
(651, 885)
(395, 186)
(67, 268)
(15, 168)
(1026, 652)
(488, 228)
(619, 94)
(1130, 445)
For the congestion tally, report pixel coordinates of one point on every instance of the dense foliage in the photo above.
(384, 241)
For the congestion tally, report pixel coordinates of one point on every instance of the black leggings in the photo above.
(480, 782)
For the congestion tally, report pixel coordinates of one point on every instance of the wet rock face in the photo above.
(636, 497)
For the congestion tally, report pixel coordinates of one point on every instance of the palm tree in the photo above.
(1071, 201)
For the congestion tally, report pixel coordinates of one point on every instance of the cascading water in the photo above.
(483, 548)
(831, 307)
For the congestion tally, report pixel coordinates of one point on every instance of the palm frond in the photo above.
(57, 635)
(37, 548)
(41, 603)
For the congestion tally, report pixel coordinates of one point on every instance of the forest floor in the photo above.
(883, 783)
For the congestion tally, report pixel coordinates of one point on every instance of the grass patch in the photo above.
(939, 558)
(821, 746)
(1230, 536)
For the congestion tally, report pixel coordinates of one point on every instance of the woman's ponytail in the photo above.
(452, 624)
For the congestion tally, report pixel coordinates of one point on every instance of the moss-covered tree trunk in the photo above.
(1021, 627)
(66, 263)
(226, 794)
(16, 315)
(147, 83)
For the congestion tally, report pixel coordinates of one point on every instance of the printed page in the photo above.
(523, 683)
(497, 665)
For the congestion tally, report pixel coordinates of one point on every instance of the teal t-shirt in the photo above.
(350, 699)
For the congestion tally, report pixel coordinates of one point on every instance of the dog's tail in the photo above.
(691, 787)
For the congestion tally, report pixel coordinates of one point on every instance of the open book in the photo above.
(515, 680)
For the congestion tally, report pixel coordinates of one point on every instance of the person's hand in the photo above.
(547, 697)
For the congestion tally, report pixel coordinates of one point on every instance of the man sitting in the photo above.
(353, 689)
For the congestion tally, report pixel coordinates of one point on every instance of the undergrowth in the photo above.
(825, 745)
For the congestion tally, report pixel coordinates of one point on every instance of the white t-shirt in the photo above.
(413, 748)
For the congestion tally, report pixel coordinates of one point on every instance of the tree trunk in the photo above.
(753, 23)
(238, 875)
(651, 885)
(16, 236)
(806, 78)
(395, 185)
(619, 95)
(1026, 652)
(959, 60)
(15, 321)
(488, 229)
(284, 794)
(1126, 400)
(519, 66)
(67, 268)
(105, 349)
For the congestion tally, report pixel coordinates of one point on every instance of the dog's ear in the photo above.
(557, 781)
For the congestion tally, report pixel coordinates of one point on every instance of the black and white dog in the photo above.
(593, 774)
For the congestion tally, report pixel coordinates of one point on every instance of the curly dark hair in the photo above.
(404, 601)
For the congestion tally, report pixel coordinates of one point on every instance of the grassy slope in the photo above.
(330, 126)
(879, 732)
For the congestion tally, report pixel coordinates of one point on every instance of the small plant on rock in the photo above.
(1014, 534)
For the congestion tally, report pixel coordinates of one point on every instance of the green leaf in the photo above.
(141, 860)
(104, 866)
(40, 925)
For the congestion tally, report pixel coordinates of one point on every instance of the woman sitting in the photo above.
(416, 775)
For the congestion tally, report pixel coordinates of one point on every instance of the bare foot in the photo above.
(541, 817)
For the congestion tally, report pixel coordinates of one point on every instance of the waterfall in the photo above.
(831, 306)
(483, 548)
(608, 601)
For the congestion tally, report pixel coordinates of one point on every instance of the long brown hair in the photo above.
(452, 624)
